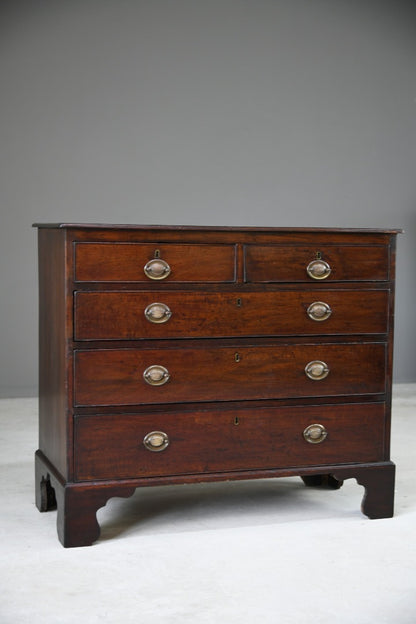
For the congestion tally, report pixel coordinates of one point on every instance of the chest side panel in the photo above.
(54, 359)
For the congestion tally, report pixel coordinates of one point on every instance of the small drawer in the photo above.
(167, 375)
(133, 315)
(120, 446)
(306, 263)
(154, 263)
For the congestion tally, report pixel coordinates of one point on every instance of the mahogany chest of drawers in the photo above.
(186, 354)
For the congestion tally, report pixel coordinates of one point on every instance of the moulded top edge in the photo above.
(231, 228)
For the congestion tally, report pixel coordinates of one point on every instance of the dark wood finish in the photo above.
(288, 263)
(206, 229)
(236, 346)
(77, 505)
(378, 481)
(115, 315)
(124, 262)
(111, 445)
(115, 377)
(53, 362)
(325, 480)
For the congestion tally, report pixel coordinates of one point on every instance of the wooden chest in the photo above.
(185, 354)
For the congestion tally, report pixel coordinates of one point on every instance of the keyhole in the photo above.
(157, 253)
(236, 420)
(237, 357)
(319, 255)
(239, 302)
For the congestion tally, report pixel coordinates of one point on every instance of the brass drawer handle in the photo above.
(156, 441)
(319, 311)
(157, 269)
(315, 434)
(156, 375)
(318, 269)
(157, 313)
(316, 370)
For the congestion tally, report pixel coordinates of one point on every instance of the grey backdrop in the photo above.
(217, 112)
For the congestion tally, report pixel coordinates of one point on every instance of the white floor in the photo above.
(269, 551)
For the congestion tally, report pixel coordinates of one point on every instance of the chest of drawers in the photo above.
(173, 355)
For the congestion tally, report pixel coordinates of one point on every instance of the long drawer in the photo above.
(193, 374)
(153, 262)
(113, 446)
(162, 314)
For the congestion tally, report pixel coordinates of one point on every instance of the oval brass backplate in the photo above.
(156, 375)
(156, 441)
(157, 312)
(318, 269)
(316, 370)
(319, 311)
(314, 434)
(157, 269)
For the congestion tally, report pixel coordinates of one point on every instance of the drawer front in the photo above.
(161, 314)
(153, 263)
(118, 376)
(289, 263)
(112, 446)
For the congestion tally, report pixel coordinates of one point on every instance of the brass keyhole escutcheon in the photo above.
(237, 357)
(236, 420)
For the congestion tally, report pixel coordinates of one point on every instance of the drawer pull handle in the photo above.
(319, 311)
(156, 441)
(156, 375)
(315, 434)
(157, 269)
(316, 370)
(318, 269)
(157, 313)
